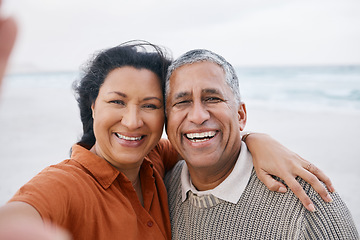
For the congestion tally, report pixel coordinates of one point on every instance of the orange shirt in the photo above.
(93, 200)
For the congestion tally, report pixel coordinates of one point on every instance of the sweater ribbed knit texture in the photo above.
(259, 214)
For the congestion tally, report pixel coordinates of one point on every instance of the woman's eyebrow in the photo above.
(118, 93)
(125, 96)
(151, 98)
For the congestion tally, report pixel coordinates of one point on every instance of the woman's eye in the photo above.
(150, 106)
(119, 102)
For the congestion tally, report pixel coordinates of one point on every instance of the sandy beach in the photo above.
(39, 125)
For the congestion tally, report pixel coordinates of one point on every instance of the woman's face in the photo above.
(128, 116)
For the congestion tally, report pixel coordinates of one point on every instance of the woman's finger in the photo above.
(300, 193)
(319, 175)
(271, 183)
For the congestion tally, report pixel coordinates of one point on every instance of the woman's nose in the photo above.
(132, 119)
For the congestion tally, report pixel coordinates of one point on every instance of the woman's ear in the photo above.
(242, 116)
(92, 110)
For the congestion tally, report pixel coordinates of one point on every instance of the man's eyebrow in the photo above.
(206, 90)
(181, 95)
(211, 90)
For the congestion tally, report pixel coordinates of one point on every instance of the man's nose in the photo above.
(198, 113)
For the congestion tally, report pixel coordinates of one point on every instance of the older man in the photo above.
(207, 200)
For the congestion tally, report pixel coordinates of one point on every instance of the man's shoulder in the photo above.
(172, 180)
(257, 192)
(174, 174)
(256, 185)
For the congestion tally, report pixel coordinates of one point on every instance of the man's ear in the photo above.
(242, 116)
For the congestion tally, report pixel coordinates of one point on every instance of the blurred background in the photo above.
(60, 35)
(298, 63)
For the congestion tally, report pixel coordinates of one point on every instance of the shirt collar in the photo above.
(232, 187)
(100, 169)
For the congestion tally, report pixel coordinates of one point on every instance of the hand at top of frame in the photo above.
(8, 32)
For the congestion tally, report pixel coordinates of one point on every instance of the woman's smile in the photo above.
(130, 141)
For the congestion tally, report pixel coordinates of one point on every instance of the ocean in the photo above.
(310, 88)
(306, 88)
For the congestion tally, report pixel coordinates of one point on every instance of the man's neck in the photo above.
(209, 178)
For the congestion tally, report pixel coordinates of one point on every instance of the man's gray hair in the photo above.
(201, 55)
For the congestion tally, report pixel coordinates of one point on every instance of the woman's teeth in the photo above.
(128, 138)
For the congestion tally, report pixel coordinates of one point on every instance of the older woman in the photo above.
(112, 186)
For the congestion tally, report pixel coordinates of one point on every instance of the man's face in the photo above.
(204, 121)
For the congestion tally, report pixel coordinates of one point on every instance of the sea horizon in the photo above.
(303, 87)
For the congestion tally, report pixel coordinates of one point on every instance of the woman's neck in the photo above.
(134, 176)
(132, 173)
(137, 186)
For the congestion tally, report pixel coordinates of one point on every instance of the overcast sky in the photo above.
(63, 34)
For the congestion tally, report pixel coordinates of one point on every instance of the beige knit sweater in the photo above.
(259, 214)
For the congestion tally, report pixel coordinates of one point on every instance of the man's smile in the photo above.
(200, 136)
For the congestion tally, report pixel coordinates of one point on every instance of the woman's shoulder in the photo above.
(163, 156)
(62, 174)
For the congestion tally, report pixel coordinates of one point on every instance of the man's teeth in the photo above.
(200, 137)
(128, 138)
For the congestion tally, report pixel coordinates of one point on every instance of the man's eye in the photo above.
(182, 103)
(213, 100)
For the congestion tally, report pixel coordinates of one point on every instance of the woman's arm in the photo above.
(20, 221)
(272, 158)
